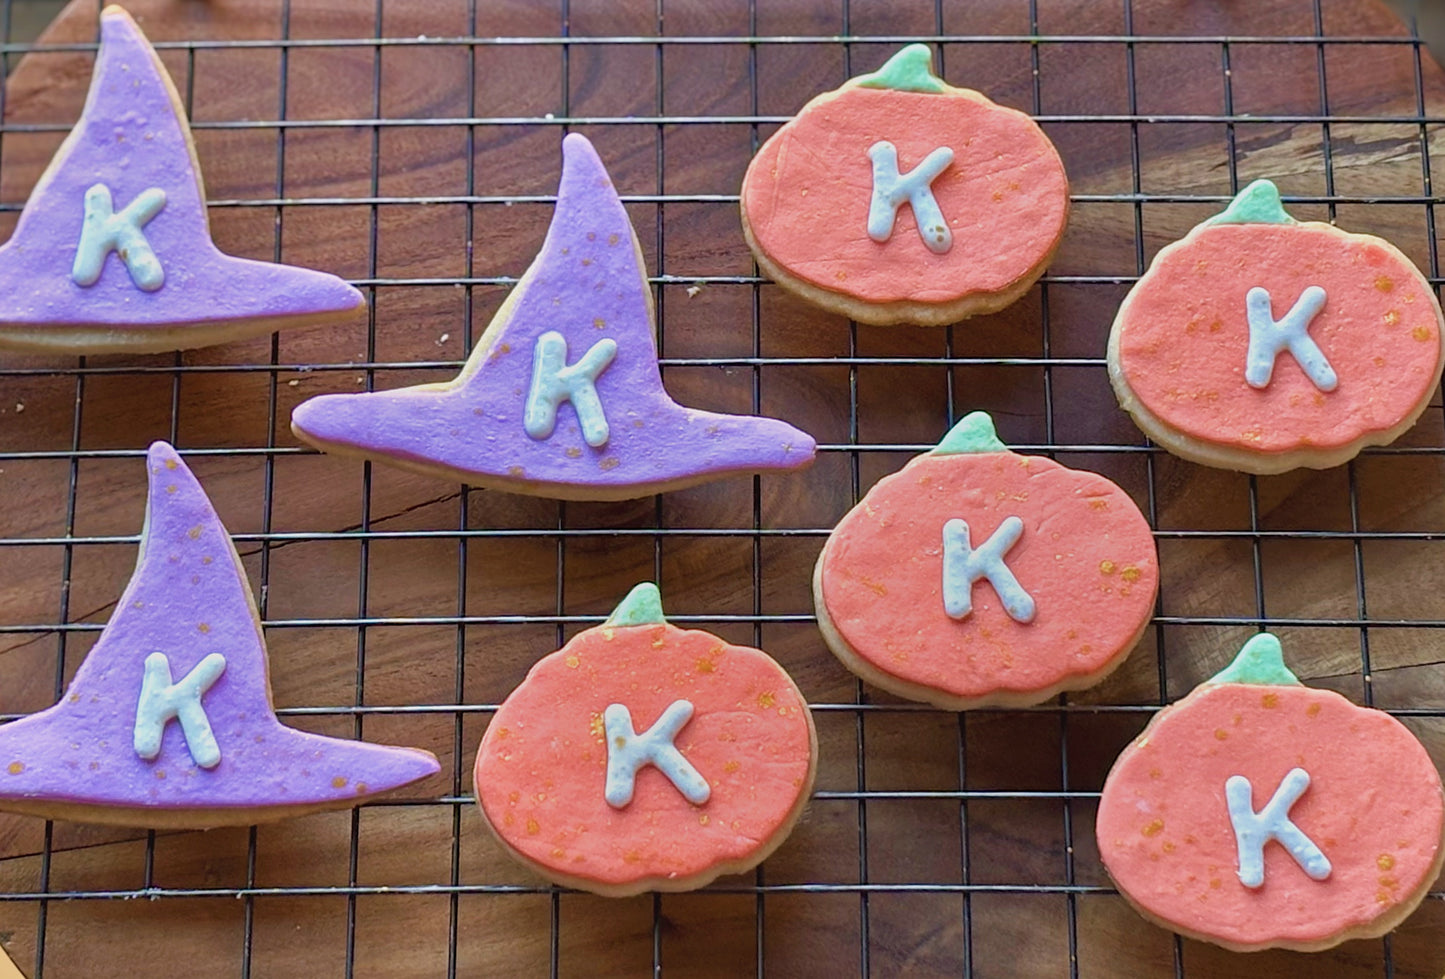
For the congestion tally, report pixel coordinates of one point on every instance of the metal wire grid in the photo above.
(466, 536)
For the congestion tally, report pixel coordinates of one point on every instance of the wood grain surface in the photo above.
(1001, 801)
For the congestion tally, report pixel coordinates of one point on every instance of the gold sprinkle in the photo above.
(360, 788)
(586, 261)
(765, 699)
(503, 734)
(574, 452)
(194, 532)
(1130, 573)
(1153, 828)
(1270, 700)
(170, 463)
(160, 774)
(1167, 846)
(338, 782)
(138, 604)
(1312, 709)
(1389, 882)
(703, 819)
(1106, 567)
(594, 725)
(204, 627)
(609, 463)
(206, 560)
(1155, 773)
(621, 742)
(612, 239)
(1215, 883)
(1097, 504)
(557, 851)
(171, 488)
(1421, 333)
(600, 323)
(1385, 861)
(705, 665)
(1392, 317)
(732, 766)
(16, 767)
(572, 661)
(515, 471)
(1384, 284)
(1383, 897)
(532, 828)
(1220, 734)
(508, 819)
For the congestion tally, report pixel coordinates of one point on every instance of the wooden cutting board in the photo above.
(1015, 839)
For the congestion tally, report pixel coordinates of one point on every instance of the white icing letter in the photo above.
(962, 566)
(105, 231)
(554, 382)
(627, 751)
(1253, 830)
(160, 700)
(1267, 338)
(890, 190)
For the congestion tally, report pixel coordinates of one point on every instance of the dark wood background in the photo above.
(999, 801)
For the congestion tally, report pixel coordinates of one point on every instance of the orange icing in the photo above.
(1005, 196)
(542, 765)
(1092, 572)
(1184, 334)
(1373, 805)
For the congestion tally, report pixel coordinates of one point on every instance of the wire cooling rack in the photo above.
(402, 610)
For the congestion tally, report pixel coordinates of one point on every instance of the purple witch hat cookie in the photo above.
(168, 722)
(562, 396)
(113, 251)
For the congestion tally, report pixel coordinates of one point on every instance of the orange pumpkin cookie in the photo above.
(901, 199)
(1260, 813)
(643, 757)
(977, 577)
(1263, 344)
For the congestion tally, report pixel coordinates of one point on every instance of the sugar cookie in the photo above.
(1263, 344)
(642, 757)
(977, 577)
(899, 198)
(1260, 813)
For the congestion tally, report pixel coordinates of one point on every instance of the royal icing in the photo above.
(104, 231)
(963, 565)
(114, 236)
(184, 642)
(725, 765)
(889, 582)
(555, 381)
(1002, 202)
(627, 751)
(1268, 336)
(162, 699)
(1354, 802)
(891, 190)
(1252, 830)
(521, 418)
(1196, 345)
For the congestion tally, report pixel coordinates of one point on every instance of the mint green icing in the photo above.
(910, 70)
(642, 606)
(1260, 661)
(973, 433)
(1258, 203)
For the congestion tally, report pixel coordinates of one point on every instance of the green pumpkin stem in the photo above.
(1261, 661)
(642, 606)
(910, 70)
(973, 433)
(1258, 203)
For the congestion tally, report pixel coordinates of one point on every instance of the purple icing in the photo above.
(588, 283)
(188, 598)
(131, 137)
